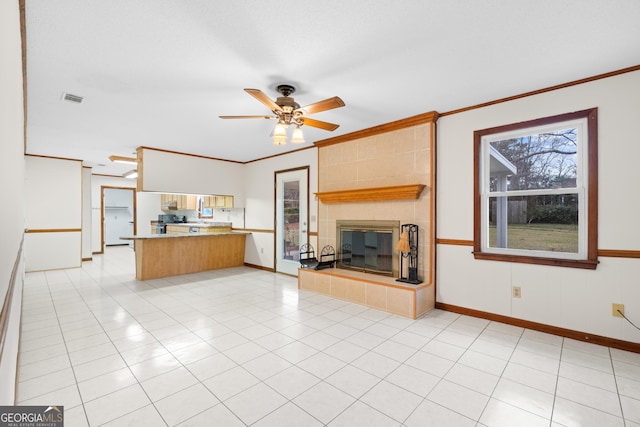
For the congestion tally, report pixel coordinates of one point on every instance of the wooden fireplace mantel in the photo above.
(376, 194)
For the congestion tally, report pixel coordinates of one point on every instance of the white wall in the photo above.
(11, 187)
(147, 210)
(259, 202)
(564, 297)
(116, 197)
(54, 205)
(177, 173)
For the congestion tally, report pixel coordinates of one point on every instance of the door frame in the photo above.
(275, 210)
(135, 211)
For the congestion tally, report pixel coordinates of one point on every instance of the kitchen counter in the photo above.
(203, 224)
(164, 255)
(174, 235)
(187, 227)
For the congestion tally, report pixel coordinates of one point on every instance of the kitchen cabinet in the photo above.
(176, 229)
(187, 202)
(168, 201)
(178, 201)
(169, 255)
(217, 201)
(208, 201)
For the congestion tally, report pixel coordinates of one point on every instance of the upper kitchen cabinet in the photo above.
(178, 201)
(217, 201)
(169, 201)
(188, 202)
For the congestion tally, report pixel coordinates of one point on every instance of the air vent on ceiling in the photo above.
(72, 98)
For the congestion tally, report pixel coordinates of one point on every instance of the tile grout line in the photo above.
(426, 398)
(321, 380)
(199, 381)
(615, 380)
(124, 361)
(238, 365)
(358, 399)
(501, 373)
(53, 303)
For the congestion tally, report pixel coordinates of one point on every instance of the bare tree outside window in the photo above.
(545, 160)
(547, 222)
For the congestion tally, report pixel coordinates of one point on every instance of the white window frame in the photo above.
(581, 188)
(586, 124)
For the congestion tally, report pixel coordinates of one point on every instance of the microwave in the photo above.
(166, 219)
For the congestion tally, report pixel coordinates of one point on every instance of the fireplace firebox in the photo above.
(368, 246)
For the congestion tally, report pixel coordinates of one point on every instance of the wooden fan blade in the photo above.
(327, 104)
(248, 117)
(260, 96)
(319, 124)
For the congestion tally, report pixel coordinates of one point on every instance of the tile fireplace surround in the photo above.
(382, 293)
(380, 173)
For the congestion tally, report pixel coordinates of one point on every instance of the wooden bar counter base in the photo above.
(164, 255)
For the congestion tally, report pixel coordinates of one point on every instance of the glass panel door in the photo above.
(292, 206)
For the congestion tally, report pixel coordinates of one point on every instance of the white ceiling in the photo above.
(158, 73)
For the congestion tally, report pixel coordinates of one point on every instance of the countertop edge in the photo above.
(195, 224)
(188, 235)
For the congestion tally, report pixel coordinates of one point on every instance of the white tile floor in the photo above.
(244, 347)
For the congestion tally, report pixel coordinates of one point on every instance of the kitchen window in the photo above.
(536, 191)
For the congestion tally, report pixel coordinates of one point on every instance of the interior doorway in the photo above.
(118, 215)
(291, 218)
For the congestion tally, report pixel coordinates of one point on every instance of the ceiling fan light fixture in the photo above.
(280, 131)
(280, 134)
(297, 137)
(279, 140)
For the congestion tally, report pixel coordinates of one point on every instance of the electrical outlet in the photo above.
(261, 250)
(516, 292)
(615, 308)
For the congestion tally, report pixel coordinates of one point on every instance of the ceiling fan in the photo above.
(288, 112)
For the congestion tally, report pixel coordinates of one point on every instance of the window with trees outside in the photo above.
(536, 191)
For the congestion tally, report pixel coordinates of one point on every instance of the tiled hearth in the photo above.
(382, 293)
